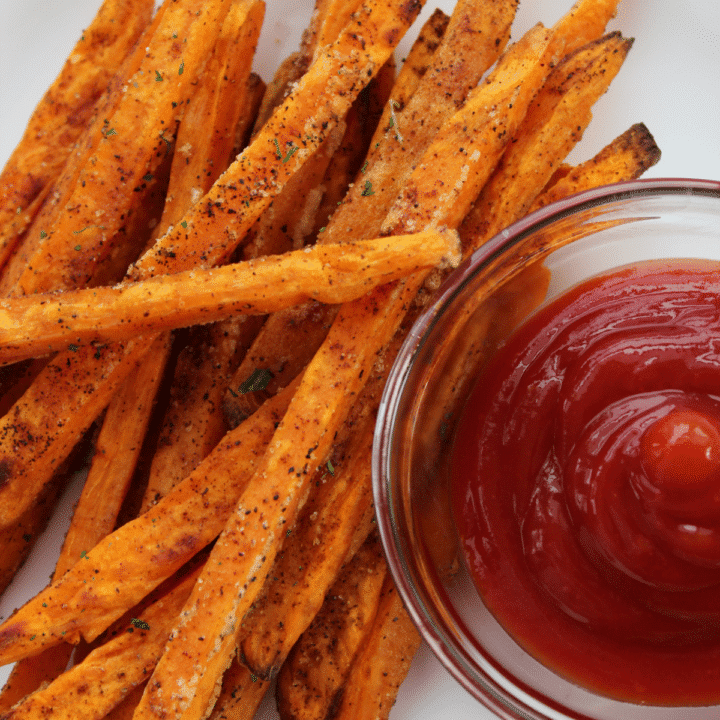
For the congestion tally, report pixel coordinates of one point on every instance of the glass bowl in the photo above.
(473, 312)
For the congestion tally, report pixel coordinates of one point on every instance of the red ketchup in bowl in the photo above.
(586, 484)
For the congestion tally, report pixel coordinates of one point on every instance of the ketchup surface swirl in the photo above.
(586, 484)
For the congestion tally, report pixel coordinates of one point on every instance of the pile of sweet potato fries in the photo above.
(205, 279)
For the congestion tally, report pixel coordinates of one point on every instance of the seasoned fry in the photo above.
(141, 554)
(311, 680)
(116, 450)
(124, 149)
(383, 662)
(475, 36)
(207, 132)
(36, 324)
(193, 423)
(95, 686)
(334, 523)
(61, 116)
(625, 158)
(554, 125)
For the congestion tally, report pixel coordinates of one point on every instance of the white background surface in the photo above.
(671, 81)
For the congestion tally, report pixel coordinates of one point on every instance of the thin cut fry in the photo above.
(554, 124)
(383, 662)
(335, 521)
(312, 678)
(116, 449)
(625, 158)
(475, 36)
(36, 324)
(61, 116)
(124, 148)
(141, 554)
(92, 688)
(193, 423)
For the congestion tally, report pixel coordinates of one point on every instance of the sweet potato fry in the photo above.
(116, 449)
(311, 680)
(334, 522)
(141, 554)
(193, 423)
(287, 342)
(625, 158)
(64, 111)
(240, 695)
(37, 324)
(125, 147)
(383, 662)
(90, 689)
(207, 132)
(554, 124)
(468, 48)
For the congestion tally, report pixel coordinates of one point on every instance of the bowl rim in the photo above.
(488, 692)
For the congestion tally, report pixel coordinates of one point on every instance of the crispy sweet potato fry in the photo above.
(96, 512)
(475, 36)
(141, 554)
(334, 522)
(61, 116)
(382, 663)
(311, 680)
(90, 689)
(36, 324)
(125, 147)
(554, 124)
(193, 423)
(625, 158)
(207, 132)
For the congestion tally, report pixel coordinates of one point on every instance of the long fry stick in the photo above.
(627, 157)
(90, 689)
(62, 114)
(36, 324)
(141, 554)
(555, 123)
(124, 148)
(311, 680)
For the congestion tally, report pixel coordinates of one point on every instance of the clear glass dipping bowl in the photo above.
(475, 309)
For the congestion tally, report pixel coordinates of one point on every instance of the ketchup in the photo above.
(586, 484)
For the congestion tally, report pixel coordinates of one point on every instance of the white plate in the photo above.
(671, 82)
